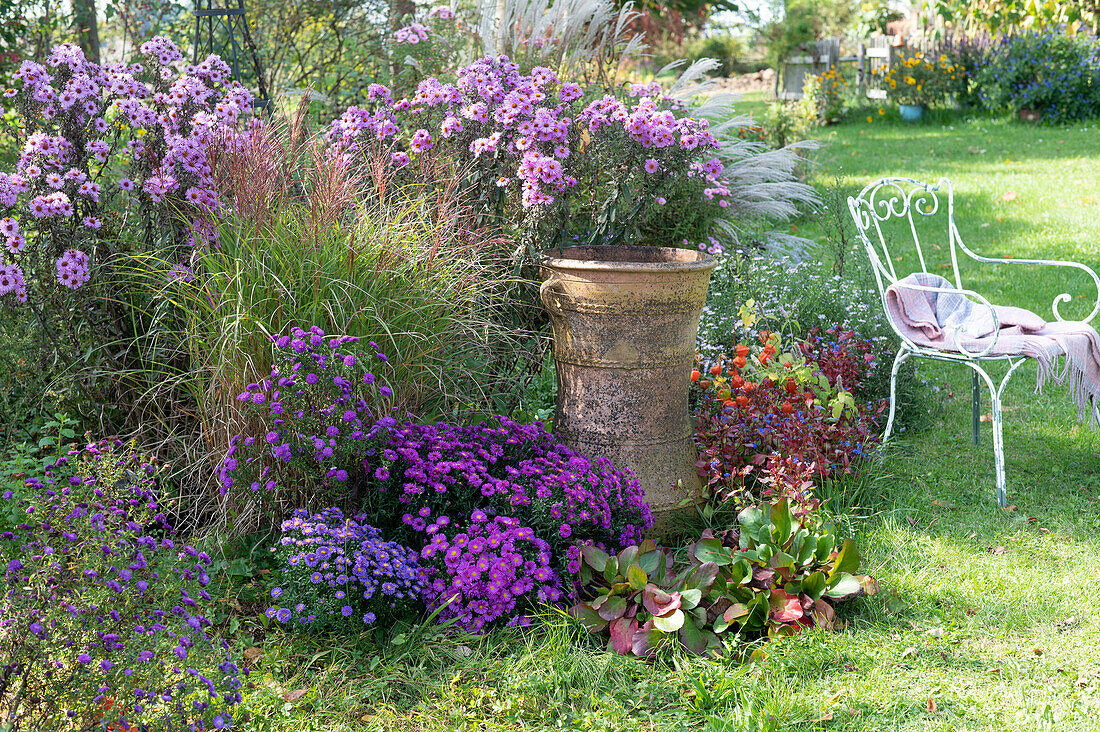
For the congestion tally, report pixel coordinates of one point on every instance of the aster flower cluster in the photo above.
(536, 133)
(512, 470)
(338, 573)
(325, 412)
(104, 617)
(100, 138)
(494, 569)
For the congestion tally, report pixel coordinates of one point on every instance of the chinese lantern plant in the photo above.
(769, 404)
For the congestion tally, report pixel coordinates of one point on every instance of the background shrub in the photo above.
(1055, 74)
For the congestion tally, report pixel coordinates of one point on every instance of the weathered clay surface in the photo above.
(625, 321)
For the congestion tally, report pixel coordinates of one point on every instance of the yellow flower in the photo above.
(881, 111)
(893, 84)
(910, 80)
(870, 119)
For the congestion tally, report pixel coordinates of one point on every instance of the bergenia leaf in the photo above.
(785, 608)
(843, 587)
(622, 635)
(645, 639)
(595, 557)
(589, 618)
(636, 577)
(669, 623)
(613, 608)
(659, 602)
(711, 550)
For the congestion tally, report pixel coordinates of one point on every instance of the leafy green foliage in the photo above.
(774, 575)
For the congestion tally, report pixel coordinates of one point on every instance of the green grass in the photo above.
(984, 620)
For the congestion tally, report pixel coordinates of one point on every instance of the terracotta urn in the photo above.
(625, 320)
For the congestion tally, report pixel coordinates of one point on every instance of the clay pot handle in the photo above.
(551, 292)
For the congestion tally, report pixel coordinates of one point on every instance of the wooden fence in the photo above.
(873, 59)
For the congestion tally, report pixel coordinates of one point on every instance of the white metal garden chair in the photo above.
(901, 199)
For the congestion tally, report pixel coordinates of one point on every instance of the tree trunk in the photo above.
(87, 31)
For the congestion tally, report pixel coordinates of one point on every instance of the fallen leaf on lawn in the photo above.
(1009, 507)
(293, 696)
(464, 651)
(972, 534)
(997, 550)
(826, 717)
(911, 520)
(945, 265)
(971, 611)
(910, 651)
(984, 225)
(1082, 682)
(944, 504)
(832, 699)
(251, 654)
(975, 150)
(1044, 530)
(1037, 651)
(1010, 196)
(994, 670)
(263, 572)
(987, 418)
(932, 709)
(1087, 199)
(851, 667)
(935, 632)
(1032, 519)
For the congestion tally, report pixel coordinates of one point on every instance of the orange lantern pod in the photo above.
(740, 362)
(742, 350)
(695, 375)
(715, 370)
(742, 401)
(786, 408)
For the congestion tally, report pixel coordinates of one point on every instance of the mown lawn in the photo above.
(985, 617)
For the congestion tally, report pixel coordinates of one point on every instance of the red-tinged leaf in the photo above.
(736, 611)
(785, 608)
(823, 615)
(622, 635)
(702, 577)
(659, 602)
(645, 639)
(614, 607)
(589, 618)
(293, 696)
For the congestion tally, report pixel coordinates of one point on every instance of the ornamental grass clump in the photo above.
(337, 573)
(104, 617)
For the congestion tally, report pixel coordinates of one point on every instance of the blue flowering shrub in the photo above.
(1052, 73)
(490, 515)
(338, 573)
(104, 617)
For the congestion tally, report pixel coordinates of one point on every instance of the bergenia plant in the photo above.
(107, 149)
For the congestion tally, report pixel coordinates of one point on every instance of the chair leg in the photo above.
(977, 406)
(999, 451)
(899, 359)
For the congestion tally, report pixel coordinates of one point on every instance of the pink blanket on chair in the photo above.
(938, 320)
